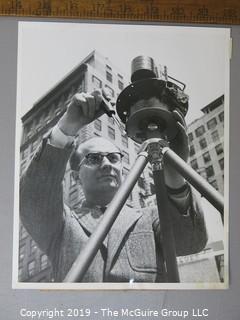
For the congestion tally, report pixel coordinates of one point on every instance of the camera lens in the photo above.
(143, 68)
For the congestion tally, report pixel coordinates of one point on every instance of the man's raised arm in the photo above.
(41, 195)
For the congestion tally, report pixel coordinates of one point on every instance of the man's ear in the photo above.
(76, 176)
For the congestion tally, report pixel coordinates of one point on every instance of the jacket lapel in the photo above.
(122, 224)
(86, 219)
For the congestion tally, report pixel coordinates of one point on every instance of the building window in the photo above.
(221, 116)
(125, 141)
(206, 157)
(192, 150)
(111, 133)
(97, 83)
(199, 131)
(219, 149)
(43, 262)
(33, 246)
(190, 137)
(214, 184)
(126, 157)
(120, 85)
(111, 91)
(98, 124)
(109, 76)
(194, 164)
(31, 268)
(215, 135)
(108, 67)
(120, 76)
(211, 124)
(221, 163)
(203, 143)
(209, 171)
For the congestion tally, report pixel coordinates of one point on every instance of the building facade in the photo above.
(94, 72)
(206, 138)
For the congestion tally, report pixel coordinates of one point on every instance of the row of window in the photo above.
(51, 112)
(109, 77)
(211, 124)
(111, 131)
(97, 83)
(203, 142)
(206, 155)
(209, 171)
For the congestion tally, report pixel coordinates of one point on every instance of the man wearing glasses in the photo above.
(132, 250)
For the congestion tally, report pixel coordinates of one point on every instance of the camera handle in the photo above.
(153, 150)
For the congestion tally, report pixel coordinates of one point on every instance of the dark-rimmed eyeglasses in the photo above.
(96, 158)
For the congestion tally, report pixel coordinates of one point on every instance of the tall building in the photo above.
(94, 72)
(206, 138)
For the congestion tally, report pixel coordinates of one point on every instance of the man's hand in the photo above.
(179, 145)
(82, 109)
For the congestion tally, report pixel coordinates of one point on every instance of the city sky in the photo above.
(48, 51)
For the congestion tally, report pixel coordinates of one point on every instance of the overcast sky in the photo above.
(196, 56)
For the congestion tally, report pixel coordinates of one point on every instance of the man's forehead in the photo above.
(97, 145)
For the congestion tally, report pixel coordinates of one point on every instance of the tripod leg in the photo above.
(154, 148)
(85, 258)
(212, 195)
(168, 241)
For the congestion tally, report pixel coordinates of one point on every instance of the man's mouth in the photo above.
(107, 176)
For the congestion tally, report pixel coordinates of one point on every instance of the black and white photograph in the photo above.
(121, 157)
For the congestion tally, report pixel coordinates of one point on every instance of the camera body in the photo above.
(146, 105)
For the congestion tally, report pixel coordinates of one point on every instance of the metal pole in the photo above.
(167, 236)
(212, 195)
(85, 258)
(154, 149)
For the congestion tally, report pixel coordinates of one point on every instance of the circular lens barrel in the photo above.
(142, 68)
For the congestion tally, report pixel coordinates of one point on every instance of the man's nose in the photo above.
(105, 162)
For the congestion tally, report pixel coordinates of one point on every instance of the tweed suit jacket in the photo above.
(131, 251)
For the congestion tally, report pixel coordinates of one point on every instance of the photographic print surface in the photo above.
(56, 62)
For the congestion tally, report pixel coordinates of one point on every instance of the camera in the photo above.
(145, 106)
